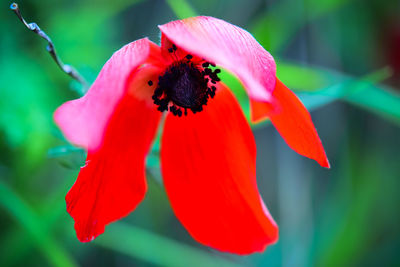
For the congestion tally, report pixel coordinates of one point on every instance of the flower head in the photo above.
(208, 153)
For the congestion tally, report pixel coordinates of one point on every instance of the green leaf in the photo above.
(64, 150)
(380, 100)
(305, 78)
(362, 92)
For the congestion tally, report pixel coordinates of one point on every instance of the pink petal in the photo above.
(83, 121)
(116, 121)
(228, 46)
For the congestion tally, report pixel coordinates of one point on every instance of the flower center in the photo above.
(185, 85)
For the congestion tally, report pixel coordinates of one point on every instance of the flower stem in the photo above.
(68, 69)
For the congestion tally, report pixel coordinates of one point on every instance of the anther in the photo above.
(150, 83)
(185, 85)
(174, 47)
(170, 50)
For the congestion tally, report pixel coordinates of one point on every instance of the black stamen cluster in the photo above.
(184, 85)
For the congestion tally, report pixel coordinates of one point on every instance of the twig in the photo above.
(68, 69)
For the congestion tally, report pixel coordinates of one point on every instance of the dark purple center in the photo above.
(185, 85)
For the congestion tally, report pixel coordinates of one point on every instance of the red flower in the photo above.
(208, 153)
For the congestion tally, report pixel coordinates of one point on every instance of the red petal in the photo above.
(209, 170)
(227, 46)
(83, 121)
(112, 183)
(116, 121)
(177, 55)
(293, 122)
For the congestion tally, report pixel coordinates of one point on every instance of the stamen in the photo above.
(172, 50)
(185, 85)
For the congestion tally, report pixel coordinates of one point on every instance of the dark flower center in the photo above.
(185, 85)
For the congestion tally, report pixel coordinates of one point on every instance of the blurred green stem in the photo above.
(153, 248)
(33, 225)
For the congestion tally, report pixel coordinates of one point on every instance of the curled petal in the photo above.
(228, 46)
(116, 121)
(83, 121)
(209, 171)
(293, 122)
(112, 183)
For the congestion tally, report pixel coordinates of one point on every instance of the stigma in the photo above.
(185, 85)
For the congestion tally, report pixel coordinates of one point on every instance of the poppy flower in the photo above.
(208, 152)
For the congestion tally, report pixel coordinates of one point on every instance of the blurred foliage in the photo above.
(341, 58)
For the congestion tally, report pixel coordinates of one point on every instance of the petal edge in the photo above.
(208, 166)
(112, 182)
(292, 120)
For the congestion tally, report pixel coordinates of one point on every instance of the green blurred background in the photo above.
(342, 57)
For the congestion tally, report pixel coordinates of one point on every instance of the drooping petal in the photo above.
(83, 121)
(293, 122)
(112, 182)
(209, 171)
(228, 46)
(116, 121)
